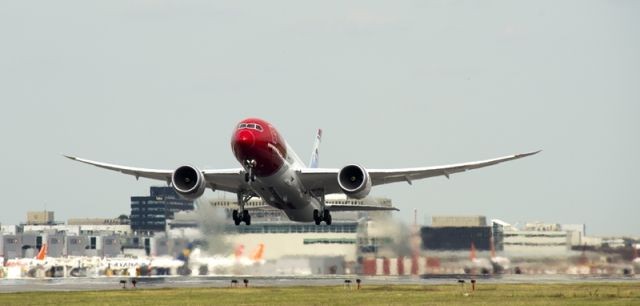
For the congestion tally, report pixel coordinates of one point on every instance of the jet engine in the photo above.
(354, 181)
(189, 182)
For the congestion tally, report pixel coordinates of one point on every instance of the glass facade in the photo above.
(456, 238)
(150, 213)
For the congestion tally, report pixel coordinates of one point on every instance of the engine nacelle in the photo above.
(188, 182)
(354, 181)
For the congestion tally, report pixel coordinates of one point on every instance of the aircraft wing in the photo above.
(352, 207)
(326, 179)
(230, 180)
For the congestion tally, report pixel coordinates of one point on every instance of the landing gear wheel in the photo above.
(243, 215)
(327, 217)
(316, 217)
(236, 217)
(246, 217)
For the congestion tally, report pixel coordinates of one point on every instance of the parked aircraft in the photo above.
(500, 264)
(32, 266)
(273, 171)
(477, 265)
(40, 260)
(220, 264)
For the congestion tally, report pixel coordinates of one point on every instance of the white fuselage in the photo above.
(284, 190)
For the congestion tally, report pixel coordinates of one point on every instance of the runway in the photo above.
(114, 283)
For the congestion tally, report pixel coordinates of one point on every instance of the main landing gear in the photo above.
(324, 216)
(242, 215)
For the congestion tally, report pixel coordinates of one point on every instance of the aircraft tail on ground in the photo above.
(186, 252)
(42, 254)
(313, 163)
(258, 253)
(239, 250)
(472, 255)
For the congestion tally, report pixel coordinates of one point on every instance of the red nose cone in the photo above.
(243, 144)
(245, 139)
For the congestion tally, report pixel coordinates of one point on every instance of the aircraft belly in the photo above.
(283, 191)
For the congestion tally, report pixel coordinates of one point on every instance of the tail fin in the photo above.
(472, 255)
(258, 253)
(238, 251)
(315, 158)
(42, 254)
(186, 252)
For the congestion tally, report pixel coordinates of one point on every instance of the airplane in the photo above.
(122, 265)
(221, 264)
(272, 171)
(477, 265)
(30, 265)
(500, 264)
(39, 260)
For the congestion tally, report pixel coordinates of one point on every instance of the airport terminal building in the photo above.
(282, 237)
(176, 224)
(150, 213)
(456, 233)
(369, 243)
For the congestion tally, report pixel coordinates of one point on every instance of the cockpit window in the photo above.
(252, 126)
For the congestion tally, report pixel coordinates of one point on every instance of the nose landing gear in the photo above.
(249, 176)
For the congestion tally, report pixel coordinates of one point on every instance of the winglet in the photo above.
(527, 154)
(70, 157)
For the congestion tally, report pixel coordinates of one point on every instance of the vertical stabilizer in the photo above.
(239, 250)
(186, 252)
(472, 255)
(258, 253)
(42, 254)
(313, 163)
